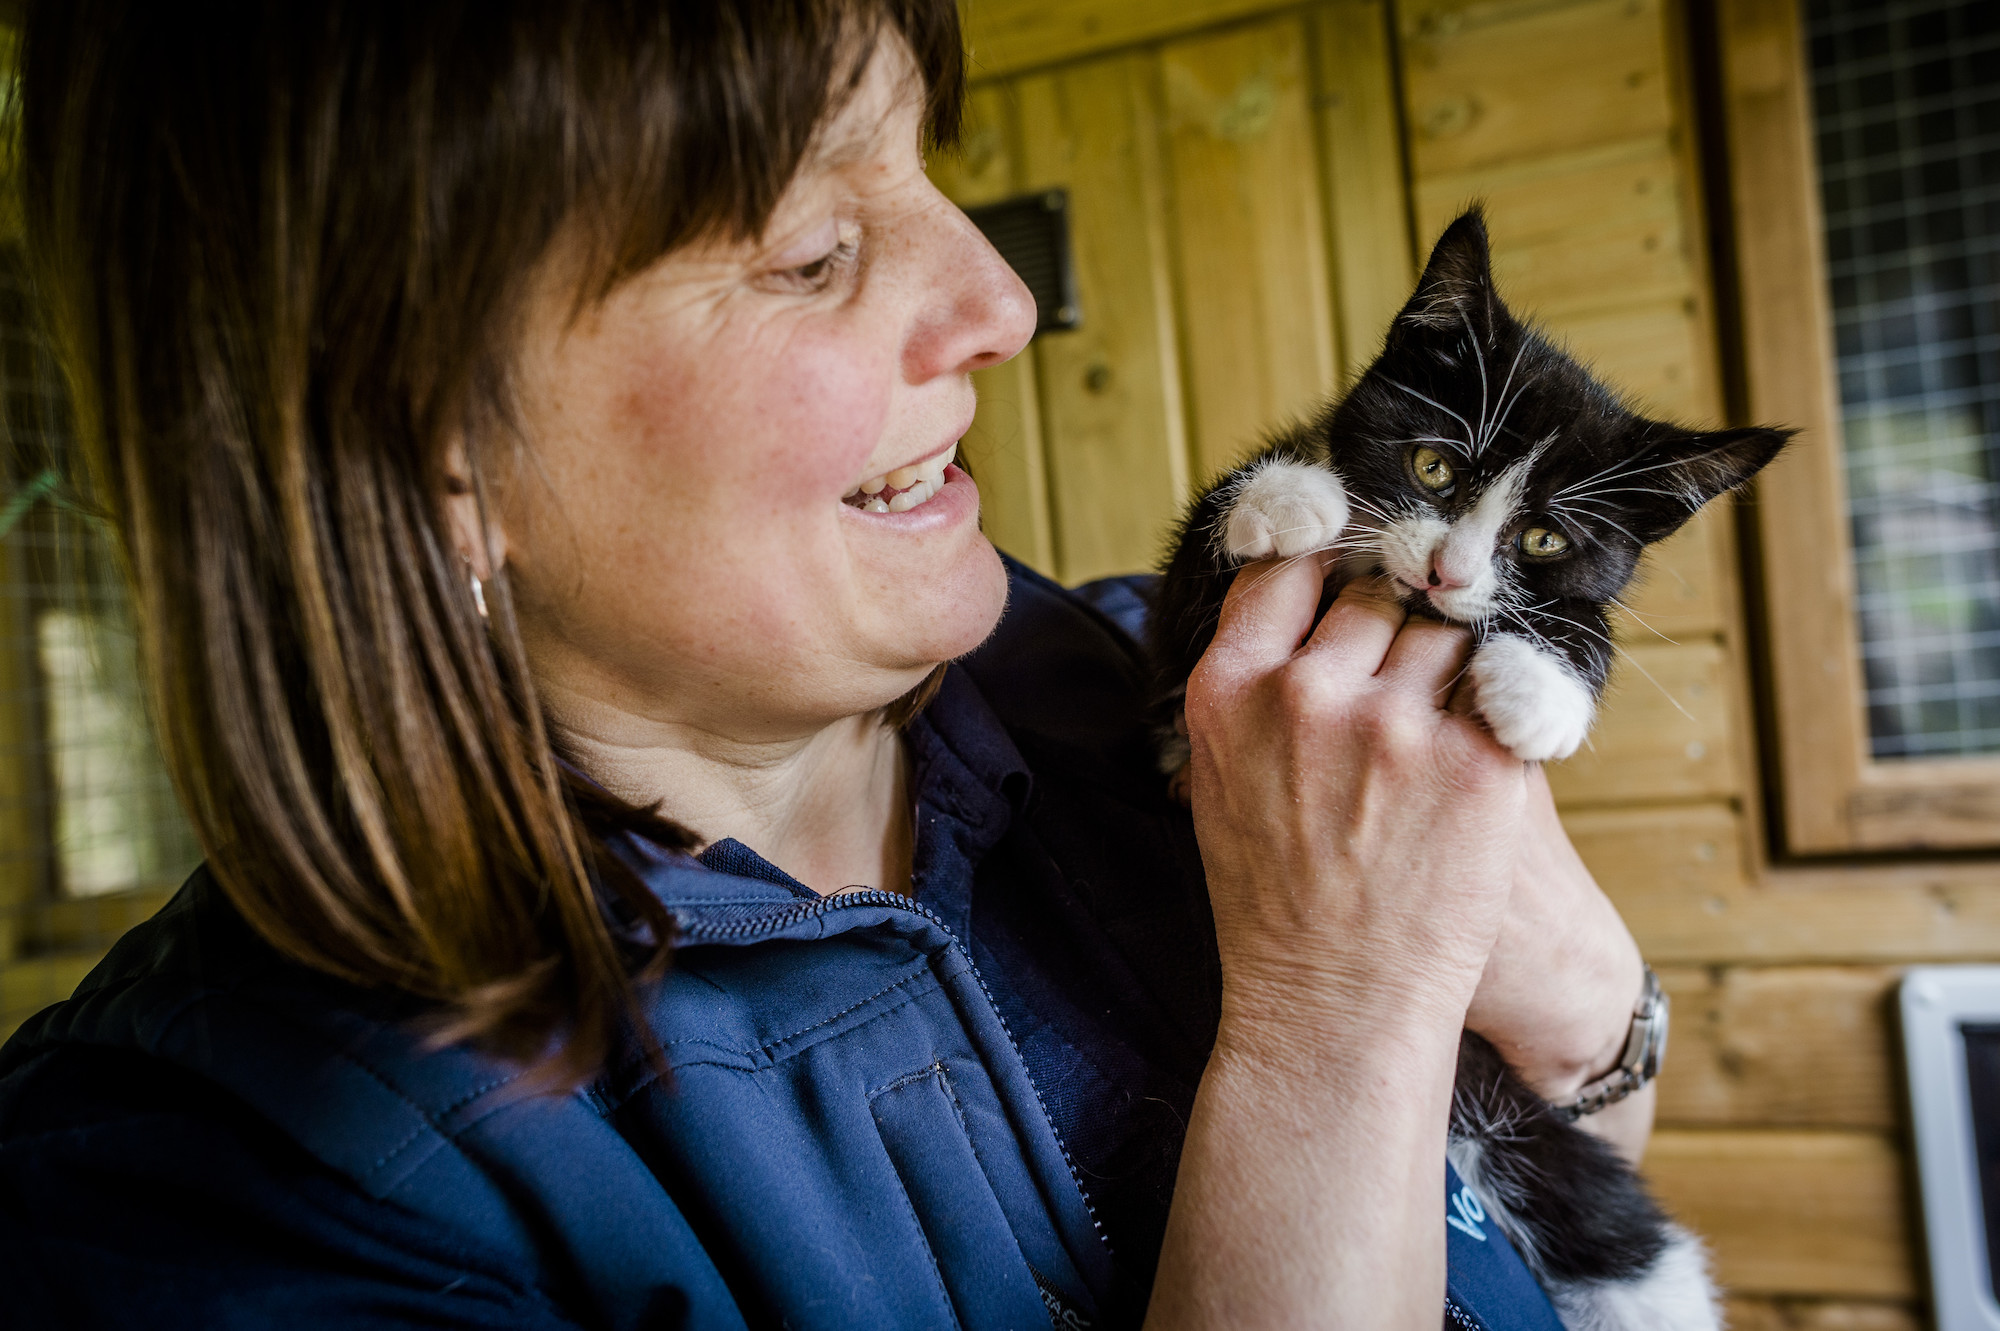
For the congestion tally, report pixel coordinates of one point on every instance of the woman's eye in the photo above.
(817, 269)
(1433, 472)
(1543, 542)
(820, 272)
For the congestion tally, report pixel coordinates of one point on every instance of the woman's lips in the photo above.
(955, 500)
(903, 489)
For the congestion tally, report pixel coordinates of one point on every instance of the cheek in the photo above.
(1595, 575)
(759, 421)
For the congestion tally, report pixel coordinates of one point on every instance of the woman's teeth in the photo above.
(902, 489)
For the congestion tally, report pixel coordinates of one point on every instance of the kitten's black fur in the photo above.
(1461, 374)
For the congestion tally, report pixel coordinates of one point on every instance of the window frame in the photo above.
(1830, 795)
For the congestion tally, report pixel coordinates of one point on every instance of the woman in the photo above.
(490, 398)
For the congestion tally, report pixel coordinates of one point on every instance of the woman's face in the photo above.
(685, 544)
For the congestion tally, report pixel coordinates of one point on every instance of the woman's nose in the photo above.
(978, 313)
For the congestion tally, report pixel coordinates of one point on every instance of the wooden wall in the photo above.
(1241, 175)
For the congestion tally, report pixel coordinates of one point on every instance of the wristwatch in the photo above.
(1645, 1047)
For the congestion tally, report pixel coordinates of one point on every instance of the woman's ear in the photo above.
(482, 545)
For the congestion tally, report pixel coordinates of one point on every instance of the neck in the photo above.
(830, 807)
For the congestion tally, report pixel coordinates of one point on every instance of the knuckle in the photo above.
(1306, 696)
(1397, 739)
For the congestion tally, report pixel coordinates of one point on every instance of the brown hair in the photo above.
(284, 248)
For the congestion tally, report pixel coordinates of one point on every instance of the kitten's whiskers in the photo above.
(1506, 405)
(1641, 622)
(1470, 449)
(1472, 339)
(1607, 640)
(1616, 471)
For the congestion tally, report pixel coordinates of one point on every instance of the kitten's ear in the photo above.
(1671, 482)
(1457, 284)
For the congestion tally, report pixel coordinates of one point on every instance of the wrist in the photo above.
(1563, 1022)
(1638, 1061)
(1598, 1056)
(1303, 1022)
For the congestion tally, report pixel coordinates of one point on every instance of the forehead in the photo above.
(877, 118)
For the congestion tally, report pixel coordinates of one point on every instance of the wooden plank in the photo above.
(1004, 453)
(1578, 231)
(1788, 1046)
(1644, 858)
(1791, 1212)
(1679, 593)
(1112, 423)
(1808, 567)
(1682, 879)
(1488, 82)
(1009, 36)
(1004, 449)
(1663, 732)
(1256, 311)
(29, 984)
(1943, 804)
(1655, 354)
(1819, 1315)
(1361, 153)
(984, 169)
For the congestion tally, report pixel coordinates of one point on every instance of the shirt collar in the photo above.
(969, 780)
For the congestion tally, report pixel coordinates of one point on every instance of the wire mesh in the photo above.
(91, 836)
(1907, 113)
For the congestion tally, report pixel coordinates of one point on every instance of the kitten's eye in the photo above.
(1433, 472)
(1543, 543)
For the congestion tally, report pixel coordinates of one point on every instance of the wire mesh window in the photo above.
(90, 833)
(1907, 111)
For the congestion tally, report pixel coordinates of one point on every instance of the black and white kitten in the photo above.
(1501, 487)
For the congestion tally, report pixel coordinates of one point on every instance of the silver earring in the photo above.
(478, 595)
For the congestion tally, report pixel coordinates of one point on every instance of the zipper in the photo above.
(749, 930)
(1461, 1317)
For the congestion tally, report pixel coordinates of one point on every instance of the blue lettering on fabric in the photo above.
(1484, 1276)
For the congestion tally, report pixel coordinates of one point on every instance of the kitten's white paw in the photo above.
(1285, 509)
(1674, 1294)
(1530, 700)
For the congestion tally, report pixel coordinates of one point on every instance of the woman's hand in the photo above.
(1561, 981)
(1359, 841)
(1359, 838)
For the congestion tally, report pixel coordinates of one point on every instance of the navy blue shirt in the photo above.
(963, 1110)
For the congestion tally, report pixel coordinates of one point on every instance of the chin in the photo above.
(958, 611)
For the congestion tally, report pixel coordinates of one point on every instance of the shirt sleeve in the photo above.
(137, 1194)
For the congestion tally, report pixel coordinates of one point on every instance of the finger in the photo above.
(1430, 656)
(1268, 611)
(1358, 628)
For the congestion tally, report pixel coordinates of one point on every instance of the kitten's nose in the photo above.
(1438, 579)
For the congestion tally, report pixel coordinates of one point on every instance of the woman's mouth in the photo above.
(902, 489)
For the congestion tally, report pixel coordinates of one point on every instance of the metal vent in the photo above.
(1032, 234)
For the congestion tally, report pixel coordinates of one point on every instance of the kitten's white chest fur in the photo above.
(1529, 696)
